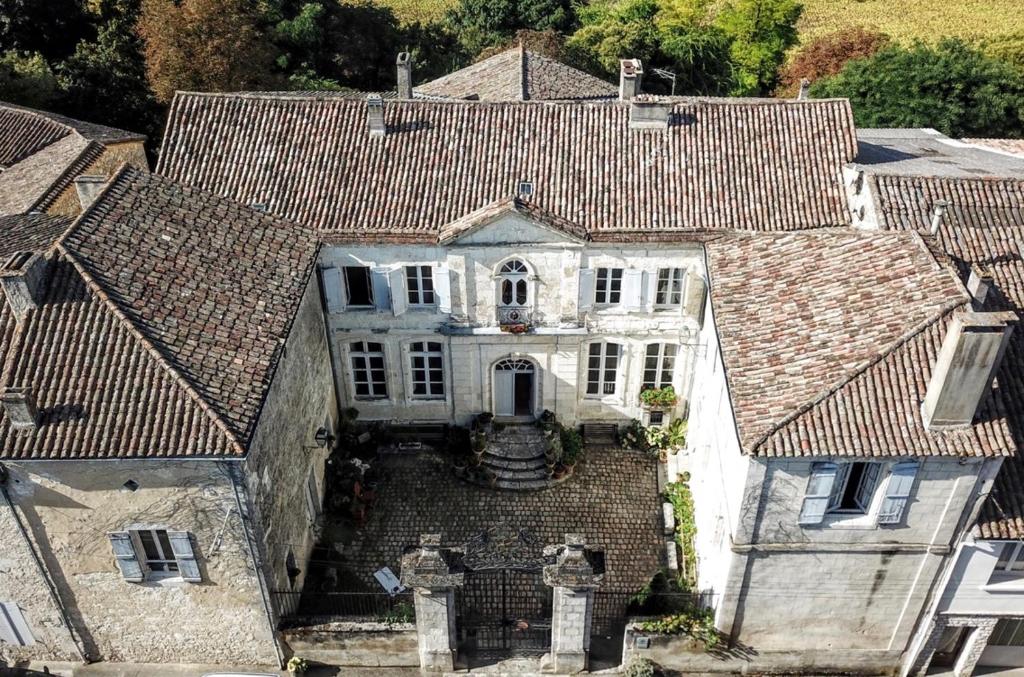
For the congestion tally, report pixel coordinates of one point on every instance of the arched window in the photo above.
(513, 286)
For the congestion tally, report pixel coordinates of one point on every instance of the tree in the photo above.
(206, 45)
(760, 32)
(826, 56)
(950, 86)
(26, 79)
(485, 23)
(547, 43)
(50, 28)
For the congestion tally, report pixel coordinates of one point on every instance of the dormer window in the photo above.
(514, 290)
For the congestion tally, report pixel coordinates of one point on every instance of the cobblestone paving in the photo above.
(612, 499)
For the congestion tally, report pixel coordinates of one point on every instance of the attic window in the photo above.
(525, 189)
(259, 206)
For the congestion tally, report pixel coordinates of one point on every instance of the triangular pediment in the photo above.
(511, 221)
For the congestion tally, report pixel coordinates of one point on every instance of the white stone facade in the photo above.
(466, 322)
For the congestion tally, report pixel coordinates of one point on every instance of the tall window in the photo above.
(670, 287)
(659, 365)
(427, 362)
(358, 286)
(608, 286)
(1011, 560)
(368, 373)
(156, 548)
(419, 281)
(854, 486)
(1008, 632)
(602, 368)
(513, 283)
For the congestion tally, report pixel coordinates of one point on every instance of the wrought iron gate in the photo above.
(504, 606)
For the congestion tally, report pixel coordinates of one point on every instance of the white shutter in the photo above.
(127, 560)
(696, 296)
(897, 493)
(819, 488)
(650, 289)
(334, 289)
(588, 277)
(381, 289)
(631, 288)
(181, 546)
(399, 300)
(443, 288)
(839, 485)
(14, 629)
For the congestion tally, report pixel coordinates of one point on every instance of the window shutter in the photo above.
(381, 289)
(181, 545)
(842, 472)
(13, 627)
(897, 493)
(399, 300)
(650, 289)
(819, 488)
(443, 288)
(334, 289)
(631, 289)
(696, 296)
(127, 560)
(588, 277)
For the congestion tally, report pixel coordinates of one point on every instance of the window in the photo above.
(513, 283)
(608, 287)
(149, 554)
(659, 365)
(427, 362)
(853, 487)
(358, 286)
(850, 489)
(655, 419)
(368, 374)
(156, 549)
(602, 368)
(419, 282)
(670, 287)
(14, 629)
(1008, 632)
(1011, 560)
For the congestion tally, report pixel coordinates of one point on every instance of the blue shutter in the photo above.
(127, 560)
(334, 289)
(587, 280)
(381, 289)
(816, 497)
(181, 545)
(897, 493)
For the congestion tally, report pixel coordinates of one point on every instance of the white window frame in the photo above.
(863, 504)
(426, 354)
(376, 391)
(514, 278)
(602, 381)
(418, 274)
(606, 276)
(659, 367)
(348, 287)
(675, 285)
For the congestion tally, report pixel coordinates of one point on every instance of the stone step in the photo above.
(523, 485)
(494, 461)
(512, 475)
(522, 452)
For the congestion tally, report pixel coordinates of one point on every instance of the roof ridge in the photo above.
(101, 293)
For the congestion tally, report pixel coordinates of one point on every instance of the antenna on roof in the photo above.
(938, 212)
(666, 75)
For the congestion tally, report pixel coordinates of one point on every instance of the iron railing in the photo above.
(378, 606)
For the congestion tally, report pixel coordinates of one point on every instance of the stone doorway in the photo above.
(514, 388)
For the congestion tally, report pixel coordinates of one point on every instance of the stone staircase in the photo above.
(515, 454)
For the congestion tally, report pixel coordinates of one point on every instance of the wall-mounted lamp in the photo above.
(323, 438)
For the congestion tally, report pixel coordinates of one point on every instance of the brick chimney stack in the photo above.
(404, 65)
(631, 75)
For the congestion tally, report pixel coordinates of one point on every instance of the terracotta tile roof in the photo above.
(721, 164)
(518, 75)
(167, 353)
(1014, 146)
(30, 232)
(33, 183)
(983, 225)
(831, 363)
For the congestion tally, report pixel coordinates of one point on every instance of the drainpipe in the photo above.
(41, 568)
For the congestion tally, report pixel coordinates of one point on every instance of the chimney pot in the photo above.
(375, 114)
(23, 278)
(965, 367)
(20, 405)
(938, 213)
(978, 284)
(631, 75)
(648, 112)
(404, 65)
(89, 187)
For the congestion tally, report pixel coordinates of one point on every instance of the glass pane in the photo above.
(506, 292)
(165, 544)
(419, 388)
(1005, 555)
(149, 545)
(434, 347)
(521, 292)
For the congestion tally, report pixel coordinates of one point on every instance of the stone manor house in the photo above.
(836, 309)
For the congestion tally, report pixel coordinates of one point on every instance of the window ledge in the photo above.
(849, 521)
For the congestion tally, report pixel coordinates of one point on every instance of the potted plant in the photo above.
(659, 398)
(479, 443)
(572, 448)
(297, 666)
(553, 452)
(460, 464)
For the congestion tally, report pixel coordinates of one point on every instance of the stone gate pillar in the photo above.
(434, 573)
(575, 575)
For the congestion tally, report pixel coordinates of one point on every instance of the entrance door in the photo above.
(950, 645)
(513, 388)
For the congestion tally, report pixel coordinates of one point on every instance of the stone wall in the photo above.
(356, 645)
(70, 506)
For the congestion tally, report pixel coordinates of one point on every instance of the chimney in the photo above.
(375, 114)
(967, 363)
(805, 90)
(649, 112)
(631, 75)
(23, 278)
(938, 213)
(89, 187)
(20, 405)
(404, 65)
(978, 284)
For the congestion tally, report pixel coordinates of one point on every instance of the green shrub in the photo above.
(659, 397)
(681, 498)
(697, 623)
(572, 445)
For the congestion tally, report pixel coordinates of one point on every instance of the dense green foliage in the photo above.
(483, 23)
(951, 86)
